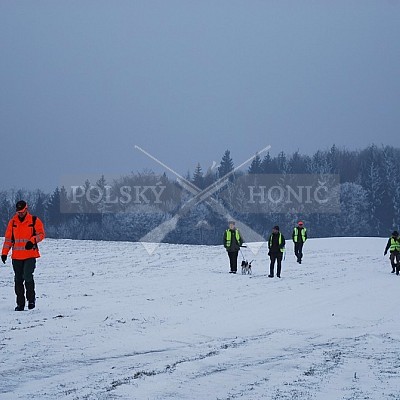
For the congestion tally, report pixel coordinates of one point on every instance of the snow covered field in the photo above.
(113, 322)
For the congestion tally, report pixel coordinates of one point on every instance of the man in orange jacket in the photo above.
(24, 232)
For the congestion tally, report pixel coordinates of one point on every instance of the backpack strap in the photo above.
(12, 233)
(34, 218)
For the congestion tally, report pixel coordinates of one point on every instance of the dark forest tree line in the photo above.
(369, 200)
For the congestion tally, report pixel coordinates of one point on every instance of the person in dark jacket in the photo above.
(276, 246)
(299, 237)
(232, 242)
(393, 245)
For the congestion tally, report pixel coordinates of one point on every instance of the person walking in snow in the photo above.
(232, 242)
(299, 237)
(23, 233)
(393, 245)
(276, 246)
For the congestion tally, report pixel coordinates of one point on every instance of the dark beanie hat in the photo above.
(20, 205)
(276, 227)
(395, 233)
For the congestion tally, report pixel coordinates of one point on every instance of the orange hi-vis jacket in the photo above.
(18, 233)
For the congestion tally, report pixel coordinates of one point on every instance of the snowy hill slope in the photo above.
(113, 322)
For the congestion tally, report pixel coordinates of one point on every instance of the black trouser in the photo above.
(395, 261)
(278, 257)
(233, 256)
(23, 272)
(298, 250)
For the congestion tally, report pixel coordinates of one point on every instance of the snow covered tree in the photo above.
(255, 166)
(38, 208)
(266, 164)
(319, 164)
(53, 208)
(391, 167)
(354, 211)
(6, 211)
(198, 178)
(297, 164)
(226, 165)
(57, 208)
(282, 163)
(372, 179)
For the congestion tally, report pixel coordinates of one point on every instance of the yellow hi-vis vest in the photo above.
(279, 241)
(296, 234)
(394, 245)
(229, 237)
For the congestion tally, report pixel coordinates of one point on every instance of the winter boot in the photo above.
(20, 292)
(19, 308)
(30, 292)
(397, 269)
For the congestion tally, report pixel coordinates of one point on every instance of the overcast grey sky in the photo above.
(82, 82)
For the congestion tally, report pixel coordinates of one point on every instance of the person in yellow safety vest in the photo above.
(233, 240)
(393, 245)
(276, 246)
(299, 237)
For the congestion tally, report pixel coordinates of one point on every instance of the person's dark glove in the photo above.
(4, 258)
(29, 245)
(269, 253)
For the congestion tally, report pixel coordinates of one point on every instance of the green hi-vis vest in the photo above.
(279, 241)
(394, 245)
(296, 234)
(229, 237)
